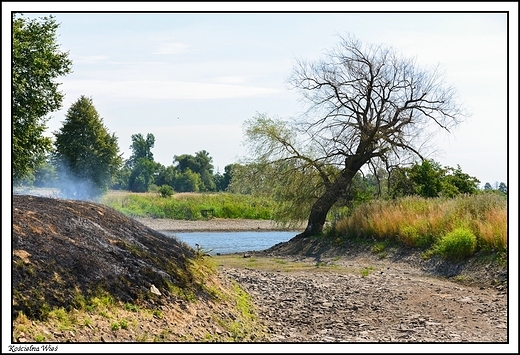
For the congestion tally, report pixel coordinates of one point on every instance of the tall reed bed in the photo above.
(191, 206)
(420, 222)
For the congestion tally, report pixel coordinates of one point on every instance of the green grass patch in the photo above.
(367, 271)
(457, 245)
(191, 206)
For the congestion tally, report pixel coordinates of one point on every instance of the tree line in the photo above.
(84, 162)
(187, 173)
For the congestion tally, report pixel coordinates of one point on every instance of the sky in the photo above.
(192, 79)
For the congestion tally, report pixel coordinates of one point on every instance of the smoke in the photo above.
(74, 187)
(66, 186)
(37, 191)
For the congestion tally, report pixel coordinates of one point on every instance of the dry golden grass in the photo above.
(412, 220)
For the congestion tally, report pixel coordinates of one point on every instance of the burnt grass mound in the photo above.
(62, 248)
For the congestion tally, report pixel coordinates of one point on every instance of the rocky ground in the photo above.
(388, 305)
(370, 297)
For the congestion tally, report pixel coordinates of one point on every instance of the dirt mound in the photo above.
(66, 252)
(62, 246)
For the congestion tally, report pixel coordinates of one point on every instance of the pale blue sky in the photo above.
(193, 79)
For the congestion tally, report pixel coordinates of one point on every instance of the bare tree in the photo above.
(367, 103)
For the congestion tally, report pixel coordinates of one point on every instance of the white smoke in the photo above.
(75, 188)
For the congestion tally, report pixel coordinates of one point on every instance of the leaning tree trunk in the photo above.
(322, 206)
(318, 214)
(332, 194)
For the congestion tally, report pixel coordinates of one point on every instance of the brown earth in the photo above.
(337, 293)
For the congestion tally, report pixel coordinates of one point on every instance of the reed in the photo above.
(420, 222)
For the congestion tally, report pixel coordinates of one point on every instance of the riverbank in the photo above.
(213, 224)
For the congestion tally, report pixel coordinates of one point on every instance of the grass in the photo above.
(367, 271)
(98, 312)
(246, 324)
(273, 264)
(452, 228)
(456, 245)
(190, 206)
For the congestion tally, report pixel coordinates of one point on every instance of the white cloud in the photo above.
(230, 79)
(172, 48)
(160, 90)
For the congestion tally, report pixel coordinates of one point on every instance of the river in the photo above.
(232, 242)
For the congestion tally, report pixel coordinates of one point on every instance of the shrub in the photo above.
(165, 191)
(456, 245)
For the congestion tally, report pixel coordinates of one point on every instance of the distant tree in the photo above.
(200, 164)
(222, 181)
(218, 179)
(141, 148)
(121, 178)
(187, 181)
(142, 175)
(502, 188)
(462, 182)
(36, 62)
(488, 186)
(86, 155)
(399, 182)
(165, 175)
(429, 179)
(141, 163)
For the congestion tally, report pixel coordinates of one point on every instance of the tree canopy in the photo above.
(141, 148)
(201, 164)
(368, 106)
(429, 179)
(141, 165)
(36, 63)
(87, 155)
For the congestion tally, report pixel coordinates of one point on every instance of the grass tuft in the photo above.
(456, 245)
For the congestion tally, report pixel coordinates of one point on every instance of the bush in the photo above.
(457, 245)
(165, 191)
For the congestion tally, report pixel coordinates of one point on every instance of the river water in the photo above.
(232, 242)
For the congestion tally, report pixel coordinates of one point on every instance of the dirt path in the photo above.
(390, 304)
